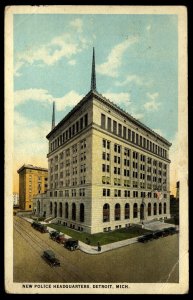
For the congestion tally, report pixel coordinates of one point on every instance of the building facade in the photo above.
(32, 181)
(15, 199)
(106, 169)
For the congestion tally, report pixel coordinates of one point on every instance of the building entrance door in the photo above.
(142, 212)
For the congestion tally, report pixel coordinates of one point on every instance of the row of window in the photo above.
(66, 193)
(58, 211)
(136, 194)
(142, 210)
(130, 135)
(127, 152)
(69, 133)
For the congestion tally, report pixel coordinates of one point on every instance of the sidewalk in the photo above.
(156, 225)
(94, 249)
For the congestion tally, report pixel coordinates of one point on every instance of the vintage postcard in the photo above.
(96, 150)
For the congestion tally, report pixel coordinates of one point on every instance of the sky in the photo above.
(136, 60)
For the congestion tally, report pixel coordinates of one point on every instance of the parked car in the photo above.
(40, 227)
(157, 234)
(172, 230)
(54, 234)
(71, 244)
(57, 236)
(145, 238)
(50, 258)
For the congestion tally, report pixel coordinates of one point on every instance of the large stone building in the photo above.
(32, 181)
(106, 169)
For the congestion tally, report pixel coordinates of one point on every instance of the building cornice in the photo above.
(106, 101)
(31, 167)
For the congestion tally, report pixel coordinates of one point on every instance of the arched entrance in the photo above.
(106, 212)
(149, 209)
(142, 211)
(135, 212)
(55, 209)
(38, 207)
(127, 211)
(81, 212)
(51, 209)
(66, 210)
(117, 212)
(73, 211)
(60, 209)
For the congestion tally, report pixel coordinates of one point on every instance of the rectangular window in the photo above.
(129, 134)
(137, 136)
(103, 168)
(104, 143)
(108, 145)
(114, 127)
(109, 124)
(108, 156)
(124, 132)
(107, 168)
(81, 123)
(133, 136)
(77, 126)
(104, 155)
(103, 121)
(86, 120)
(120, 130)
(69, 130)
(73, 129)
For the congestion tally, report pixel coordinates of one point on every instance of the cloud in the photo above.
(159, 131)
(148, 28)
(118, 98)
(70, 99)
(42, 96)
(133, 79)
(152, 105)
(77, 24)
(64, 46)
(114, 59)
(72, 62)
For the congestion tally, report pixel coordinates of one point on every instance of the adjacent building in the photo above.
(15, 199)
(106, 169)
(32, 181)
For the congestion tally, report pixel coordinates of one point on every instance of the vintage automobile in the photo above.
(157, 234)
(57, 236)
(40, 227)
(145, 238)
(71, 244)
(54, 234)
(50, 258)
(170, 231)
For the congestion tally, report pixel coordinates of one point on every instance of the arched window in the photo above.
(51, 208)
(38, 206)
(149, 209)
(155, 209)
(81, 212)
(164, 207)
(66, 210)
(73, 211)
(135, 212)
(117, 212)
(60, 209)
(55, 209)
(127, 211)
(160, 208)
(106, 212)
(142, 211)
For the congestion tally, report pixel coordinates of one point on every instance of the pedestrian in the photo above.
(99, 247)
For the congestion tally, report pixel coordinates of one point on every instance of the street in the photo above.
(156, 261)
